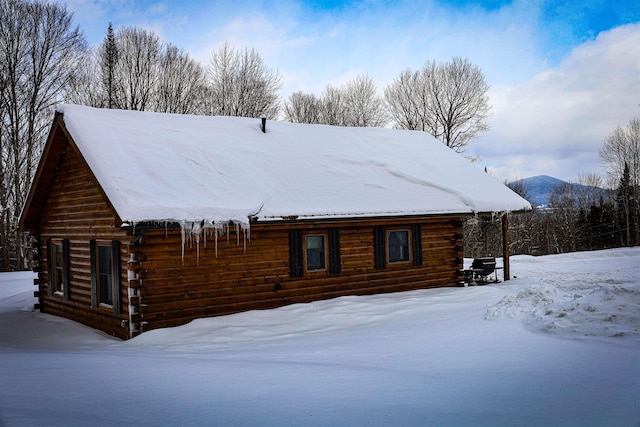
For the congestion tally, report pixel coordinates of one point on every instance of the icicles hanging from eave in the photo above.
(193, 231)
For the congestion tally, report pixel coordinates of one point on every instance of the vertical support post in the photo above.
(505, 246)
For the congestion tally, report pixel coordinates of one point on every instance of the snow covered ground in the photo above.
(558, 345)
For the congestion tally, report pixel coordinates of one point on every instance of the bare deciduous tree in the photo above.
(447, 100)
(86, 86)
(590, 189)
(355, 104)
(303, 108)
(564, 212)
(181, 83)
(334, 108)
(623, 147)
(409, 102)
(364, 107)
(136, 69)
(39, 52)
(242, 85)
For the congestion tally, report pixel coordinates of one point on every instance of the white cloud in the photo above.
(559, 119)
(157, 8)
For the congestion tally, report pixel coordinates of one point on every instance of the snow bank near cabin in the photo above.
(572, 299)
(598, 309)
(169, 167)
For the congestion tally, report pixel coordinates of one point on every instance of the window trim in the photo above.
(408, 246)
(114, 251)
(109, 274)
(59, 277)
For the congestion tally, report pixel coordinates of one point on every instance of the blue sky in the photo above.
(563, 74)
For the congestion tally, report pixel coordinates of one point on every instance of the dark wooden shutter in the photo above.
(94, 278)
(115, 275)
(295, 253)
(416, 232)
(334, 251)
(50, 268)
(379, 247)
(66, 271)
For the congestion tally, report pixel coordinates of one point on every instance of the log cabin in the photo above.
(146, 220)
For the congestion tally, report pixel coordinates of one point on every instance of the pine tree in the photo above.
(108, 59)
(623, 206)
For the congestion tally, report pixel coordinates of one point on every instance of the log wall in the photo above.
(180, 285)
(76, 210)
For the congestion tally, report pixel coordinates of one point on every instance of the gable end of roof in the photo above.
(58, 142)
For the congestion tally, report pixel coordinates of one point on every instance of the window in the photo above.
(58, 268)
(105, 274)
(315, 253)
(105, 282)
(57, 261)
(398, 246)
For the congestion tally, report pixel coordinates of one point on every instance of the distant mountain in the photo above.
(539, 188)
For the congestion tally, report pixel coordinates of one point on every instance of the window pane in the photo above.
(57, 254)
(315, 242)
(398, 245)
(398, 237)
(315, 252)
(315, 260)
(57, 260)
(105, 282)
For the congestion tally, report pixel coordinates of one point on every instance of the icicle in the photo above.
(192, 232)
(244, 235)
(183, 226)
(195, 231)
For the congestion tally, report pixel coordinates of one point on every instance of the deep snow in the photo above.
(558, 345)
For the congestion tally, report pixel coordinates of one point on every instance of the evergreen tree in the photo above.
(108, 60)
(624, 203)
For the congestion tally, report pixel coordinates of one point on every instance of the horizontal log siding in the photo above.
(243, 277)
(76, 210)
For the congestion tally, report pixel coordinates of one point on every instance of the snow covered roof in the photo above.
(169, 167)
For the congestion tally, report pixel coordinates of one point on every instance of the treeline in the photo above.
(134, 70)
(579, 217)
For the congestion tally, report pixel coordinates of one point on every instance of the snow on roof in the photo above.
(170, 167)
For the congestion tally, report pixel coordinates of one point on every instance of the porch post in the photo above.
(505, 246)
